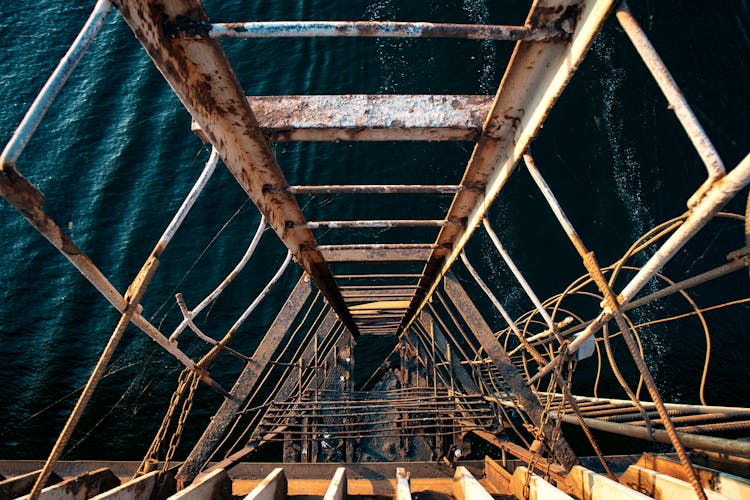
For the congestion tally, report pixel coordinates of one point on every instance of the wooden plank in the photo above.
(139, 488)
(496, 475)
(509, 372)
(379, 305)
(213, 486)
(337, 490)
(81, 487)
(403, 488)
(361, 117)
(585, 484)
(466, 487)
(662, 486)
(356, 487)
(246, 382)
(727, 484)
(538, 488)
(273, 487)
(16, 486)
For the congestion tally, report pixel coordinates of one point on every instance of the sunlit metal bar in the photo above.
(263, 293)
(354, 224)
(201, 76)
(375, 189)
(54, 84)
(516, 115)
(501, 310)
(380, 29)
(368, 117)
(199, 333)
(519, 276)
(224, 283)
(668, 86)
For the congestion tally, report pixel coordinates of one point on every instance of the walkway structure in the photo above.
(454, 373)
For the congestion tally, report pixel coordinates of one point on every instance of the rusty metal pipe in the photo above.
(54, 84)
(709, 443)
(389, 29)
(375, 189)
(668, 86)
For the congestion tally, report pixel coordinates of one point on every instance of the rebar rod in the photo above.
(54, 84)
(612, 304)
(134, 295)
(668, 86)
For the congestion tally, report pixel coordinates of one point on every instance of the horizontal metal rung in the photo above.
(361, 117)
(368, 29)
(375, 276)
(378, 287)
(376, 253)
(375, 189)
(355, 224)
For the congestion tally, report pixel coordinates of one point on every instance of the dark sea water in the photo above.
(115, 157)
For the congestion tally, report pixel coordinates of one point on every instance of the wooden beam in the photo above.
(247, 381)
(200, 75)
(86, 485)
(534, 79)
(662, 486)
(273, 487)
(496, 475)
(534, 487)
(14, 487)
(403, 488)
(217, 484)
(139, 488)
(495, 351)
(466, 487)
(361, 117)
(585, 484)
(337, 490)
